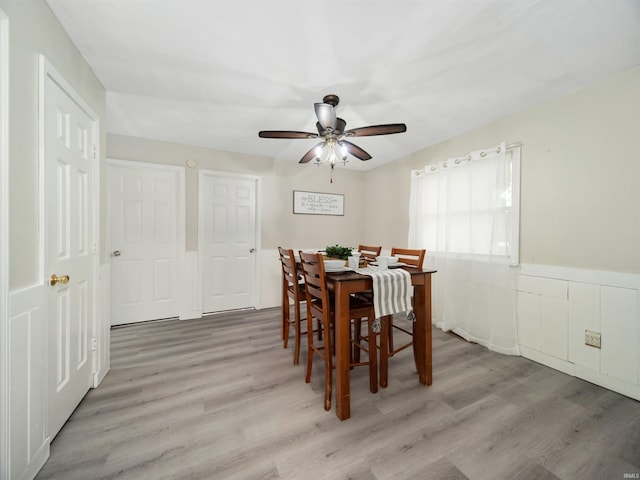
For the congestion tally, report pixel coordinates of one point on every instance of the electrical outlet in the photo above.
(592, 338)
(93, 343)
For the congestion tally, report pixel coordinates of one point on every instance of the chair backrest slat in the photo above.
(289, 269)
(314, 277)
(369, 252)
(409, 256)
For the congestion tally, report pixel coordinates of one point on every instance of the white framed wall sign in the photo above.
(316, 203)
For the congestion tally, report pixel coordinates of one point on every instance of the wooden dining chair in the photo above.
(321, 307)
(369, 253)
(414, 258)
(292, 288)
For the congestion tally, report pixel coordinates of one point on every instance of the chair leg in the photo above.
(285, 321)
(373, 357)
(385, 326)
(310, 349)
(357, 337)
(390, 335)
(327, 377)
(414, 344)
(296, 348)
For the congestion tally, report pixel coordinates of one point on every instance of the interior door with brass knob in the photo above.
(69, 168)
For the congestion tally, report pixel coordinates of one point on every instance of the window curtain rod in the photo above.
(483, 153)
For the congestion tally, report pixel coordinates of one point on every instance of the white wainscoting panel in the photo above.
(27, 339)
(191, 287)
(584, 314)
(271, 278)
(103, 325)
(545, 287)
(619, 319)
(554, 326)
(528, 312)
(555, 307)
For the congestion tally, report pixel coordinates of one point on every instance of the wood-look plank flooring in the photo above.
(219, 398)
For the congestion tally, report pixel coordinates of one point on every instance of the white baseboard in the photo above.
(625, 388)
(37, 462)
(548, 360)
(628, 389)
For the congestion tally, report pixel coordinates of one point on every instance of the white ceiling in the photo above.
(214, 72)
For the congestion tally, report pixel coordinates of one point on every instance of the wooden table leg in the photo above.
(343, 395)
(422, 331)
(385, 326)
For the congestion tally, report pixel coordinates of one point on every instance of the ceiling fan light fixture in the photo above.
(332, 130)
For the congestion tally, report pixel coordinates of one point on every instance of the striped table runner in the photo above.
(392, 292)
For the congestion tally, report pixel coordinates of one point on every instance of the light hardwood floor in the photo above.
(219, 398)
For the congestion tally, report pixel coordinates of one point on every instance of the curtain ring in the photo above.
(483, 154)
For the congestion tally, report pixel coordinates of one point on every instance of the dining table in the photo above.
(343, 284)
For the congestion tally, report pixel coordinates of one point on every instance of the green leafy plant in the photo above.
(337, 251)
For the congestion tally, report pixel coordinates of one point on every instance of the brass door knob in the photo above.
(58, 279)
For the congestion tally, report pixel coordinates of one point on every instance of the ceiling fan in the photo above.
(331, 129)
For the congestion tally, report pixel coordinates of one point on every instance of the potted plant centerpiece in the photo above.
(338, 252)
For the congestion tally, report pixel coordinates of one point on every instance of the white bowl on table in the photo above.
(393, 261)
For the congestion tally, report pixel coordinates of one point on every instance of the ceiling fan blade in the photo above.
(285, 134)
(354, 150)
(311, 153)
(377, 130)
(326, 115)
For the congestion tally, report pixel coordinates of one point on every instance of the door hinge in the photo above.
(93, 343)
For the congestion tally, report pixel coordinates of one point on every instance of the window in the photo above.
(469, 205)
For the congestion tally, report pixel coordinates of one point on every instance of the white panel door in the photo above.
(69, 167)
(147, 233)
(227, 223)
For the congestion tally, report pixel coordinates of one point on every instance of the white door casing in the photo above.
(146, 228)
(4, 246)
(227, 226)
(69, 155)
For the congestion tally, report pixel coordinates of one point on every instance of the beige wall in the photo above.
(580, 181)
(280, 227)
(34, 30)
